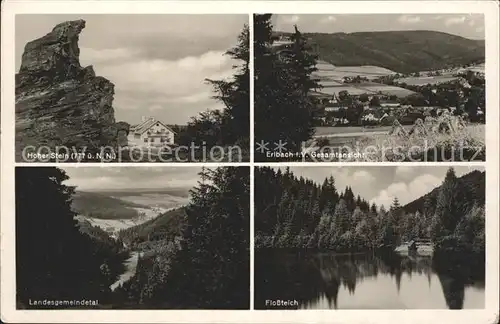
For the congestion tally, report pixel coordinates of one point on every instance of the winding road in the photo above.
(130, 268)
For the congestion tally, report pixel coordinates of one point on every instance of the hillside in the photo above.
(179, 192)
(166, 226)
(475, 180)
(102, 206)
(400, 51)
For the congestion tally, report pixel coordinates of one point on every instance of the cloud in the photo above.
(363, 177)
(455, 21)
(291, 19)
(407, 192)
(480, 29)
(329, 19)
(158, 63)
(153, 86)
(91, 56)
(408, 19)
(405, 172)
(131, 178)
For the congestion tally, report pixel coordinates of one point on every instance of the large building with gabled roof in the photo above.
(151, 132)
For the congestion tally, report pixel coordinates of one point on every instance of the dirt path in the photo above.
(130, 268)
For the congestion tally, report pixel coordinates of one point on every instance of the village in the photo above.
(371, 96)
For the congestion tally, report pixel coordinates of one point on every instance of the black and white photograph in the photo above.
(132, 238)
(370, 237)
(132, 88)
(369, 87)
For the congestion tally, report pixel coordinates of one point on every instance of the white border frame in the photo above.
(10, 315)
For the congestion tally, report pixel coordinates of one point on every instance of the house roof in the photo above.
(144, 126)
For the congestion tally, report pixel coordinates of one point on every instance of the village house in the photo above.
(151, 133)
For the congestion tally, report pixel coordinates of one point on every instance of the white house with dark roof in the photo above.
(151, 132)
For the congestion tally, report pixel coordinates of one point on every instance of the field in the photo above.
(330, 71)
(330, 131)
(117, 224)
(330, 78)
(375, 144)
(427, 80)
(368, 88)
(156, 199)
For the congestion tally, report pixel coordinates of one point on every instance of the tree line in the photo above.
(466, 98)
(296, 213)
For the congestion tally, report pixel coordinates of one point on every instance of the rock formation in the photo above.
(59, 102)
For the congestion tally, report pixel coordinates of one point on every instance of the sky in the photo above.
(465, 25)
(158, 63)
(119, 178)
(380, 184)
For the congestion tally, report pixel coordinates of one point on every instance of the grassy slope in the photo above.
(400, 51)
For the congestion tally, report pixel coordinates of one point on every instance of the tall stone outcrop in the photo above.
(59, 102)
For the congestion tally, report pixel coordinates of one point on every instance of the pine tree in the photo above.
(211, 269)
(451, 207)
(235, 95)
(282, 85)
(68, 264)
(342, 217)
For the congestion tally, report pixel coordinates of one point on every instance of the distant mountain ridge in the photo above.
(115, 205)
(174, 191)
(101, 206)
(400, 51)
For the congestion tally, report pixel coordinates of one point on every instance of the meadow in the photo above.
(427, 80)
(330, 78)
(378, 145)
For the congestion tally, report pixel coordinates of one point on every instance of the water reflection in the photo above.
(366, 281)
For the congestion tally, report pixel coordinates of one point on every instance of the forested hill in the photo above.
(400, 51)
(166, 226)
(475, 181)
(102, 206)
(296, 213)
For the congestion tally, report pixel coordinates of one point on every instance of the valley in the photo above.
(115, 211)
(367, 97)
(138, 209)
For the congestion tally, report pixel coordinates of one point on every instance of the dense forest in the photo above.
(296, 213)
(400, 51)
(166, 226)
(192, 257)
(283, 85)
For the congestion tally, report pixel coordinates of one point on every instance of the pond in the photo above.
(366, 281)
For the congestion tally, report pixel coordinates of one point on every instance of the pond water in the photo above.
(366, 281)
